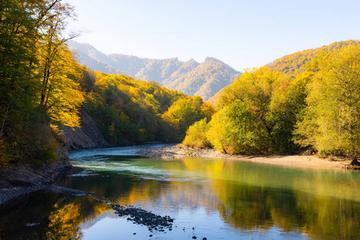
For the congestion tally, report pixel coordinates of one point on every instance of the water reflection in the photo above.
(223, 199)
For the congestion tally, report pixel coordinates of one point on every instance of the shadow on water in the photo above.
(220, 199)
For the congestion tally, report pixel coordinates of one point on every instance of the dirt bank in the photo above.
(20, 180)
(296, 161)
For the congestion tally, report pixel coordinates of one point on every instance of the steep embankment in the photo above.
(21, 179)
(88, 135)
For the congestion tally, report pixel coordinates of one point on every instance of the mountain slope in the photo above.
(295, 63)
(202, 79)
(206, 79)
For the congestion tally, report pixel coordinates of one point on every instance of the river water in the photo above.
(212, 198)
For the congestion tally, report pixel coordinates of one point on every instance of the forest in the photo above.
(305, 102)
(308, 101)
(44, 89)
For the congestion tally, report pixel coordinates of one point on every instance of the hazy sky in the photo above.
(242, 33)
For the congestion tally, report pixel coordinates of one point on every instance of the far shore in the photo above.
(294, 161)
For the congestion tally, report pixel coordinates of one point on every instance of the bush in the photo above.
(196, 135)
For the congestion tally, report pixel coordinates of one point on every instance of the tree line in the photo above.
(37, 78)
(43, 89)
(307, 101)
(129, 111)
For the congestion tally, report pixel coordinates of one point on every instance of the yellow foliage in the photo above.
(332, 118)
(63, 94)
(64, 223)
(219, 133)
(196, 135)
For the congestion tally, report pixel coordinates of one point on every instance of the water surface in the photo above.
(220, 199)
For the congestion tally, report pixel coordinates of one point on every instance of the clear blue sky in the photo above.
(242, 33)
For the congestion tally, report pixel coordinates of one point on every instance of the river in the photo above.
(208, 198)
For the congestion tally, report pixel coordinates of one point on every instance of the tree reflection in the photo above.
(322, 205)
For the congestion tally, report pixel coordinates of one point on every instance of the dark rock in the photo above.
(145, 218)
(87, 136)
(16, 181)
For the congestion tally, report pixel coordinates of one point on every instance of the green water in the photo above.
(221, 199)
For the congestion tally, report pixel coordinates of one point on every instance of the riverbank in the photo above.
(294, 161)
(17, 181)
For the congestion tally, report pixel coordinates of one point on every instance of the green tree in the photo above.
(331, 122)
(25, 132)
(236, 130)
(258, 114)
(196, 135)
(17, 51)
(186, 111)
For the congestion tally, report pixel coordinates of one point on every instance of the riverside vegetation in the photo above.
(43, 89)
(306, 101)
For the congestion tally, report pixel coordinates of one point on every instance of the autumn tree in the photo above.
(18, 36)
(331, 121)
(31, 91)
(17, 50)
(254, 115)
(196, 135)
(186, 111)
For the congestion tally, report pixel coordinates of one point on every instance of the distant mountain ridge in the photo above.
(191, 77)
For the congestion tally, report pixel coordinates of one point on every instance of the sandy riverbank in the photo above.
(296, 161)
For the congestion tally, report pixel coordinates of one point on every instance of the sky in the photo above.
(242, 33)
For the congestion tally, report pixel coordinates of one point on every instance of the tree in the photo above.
(196, 135)
(331, 122)
(61, 95)
(236, 130)
(26, 27)
(17, 45)
(257, 114)
(59, 91)
(186, 111)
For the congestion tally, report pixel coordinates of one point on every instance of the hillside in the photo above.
(203, 79)
(123, 111)
(308, 100)
(298, 62)
(295, 63)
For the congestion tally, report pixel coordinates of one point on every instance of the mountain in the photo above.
(191, 77)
